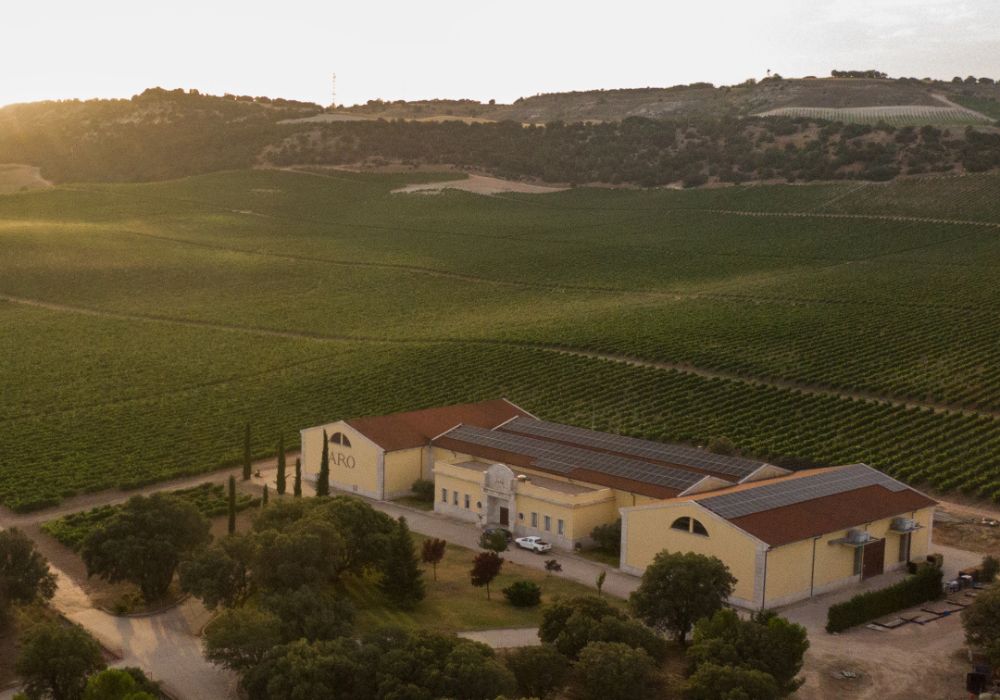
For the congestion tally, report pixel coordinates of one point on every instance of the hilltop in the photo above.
(863, 128)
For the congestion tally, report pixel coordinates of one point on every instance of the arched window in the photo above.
(682, 524)
(340, 439)
(699, 529)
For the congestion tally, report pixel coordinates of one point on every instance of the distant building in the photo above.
(784, 535)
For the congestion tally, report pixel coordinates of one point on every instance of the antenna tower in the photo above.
(333, 89)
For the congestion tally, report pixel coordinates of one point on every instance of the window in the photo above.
(904, 546)
(340, 439)
(479, 505)
(559, 526)
(454, 497)
(859, 555)
(682, 524)
(467, 501)
(548, 524)
(520, 516)
(444, 495)
(698, 529)
(534, 520)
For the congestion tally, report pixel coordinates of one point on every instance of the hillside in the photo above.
(775, 130)
(808, 324)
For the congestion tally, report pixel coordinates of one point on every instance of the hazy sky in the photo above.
(442, 48)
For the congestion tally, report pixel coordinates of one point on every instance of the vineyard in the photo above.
(145, 324)
(903, 115)
(210, 500)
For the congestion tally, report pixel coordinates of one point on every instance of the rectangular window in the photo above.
(904, 546)
(454, 497)
(534, 520)
(444, 495)
(520, 516)
(467, 500)
(548, 524)
(559, 526)
(859, 555)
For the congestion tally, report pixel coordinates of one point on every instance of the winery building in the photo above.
(784, 535)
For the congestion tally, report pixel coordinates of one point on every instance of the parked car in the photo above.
(535, 544)
(506, 533)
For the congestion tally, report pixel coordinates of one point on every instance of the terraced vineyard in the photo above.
(902, 115)
(144, 324)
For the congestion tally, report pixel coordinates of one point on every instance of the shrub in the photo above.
(540, 671)
(608, 537)
(423, 489)
(988, 569)
(923, 586)
(523, 594)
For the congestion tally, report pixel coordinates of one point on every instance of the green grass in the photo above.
(210, 500)
(601, 557)
(287, 300)
(453, 604)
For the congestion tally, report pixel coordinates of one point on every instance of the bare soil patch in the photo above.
(21, 178)
(478, 184)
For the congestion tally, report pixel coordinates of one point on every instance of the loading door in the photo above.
(873, 562)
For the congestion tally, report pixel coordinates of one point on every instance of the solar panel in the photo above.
(792, 491)
(564, 458)
(680, 455)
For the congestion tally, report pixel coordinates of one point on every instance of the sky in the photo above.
(56, 49)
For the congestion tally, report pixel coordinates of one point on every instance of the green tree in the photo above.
(601, 577)
(221, 573)
(231, 505)
(432, 553)
(247, 455)
(309, 552)
(570, 625)
(402, 580)
(494, 541)
(678, 589)
(523, 594)
(55, 660)
(24, 572)
(263, 497)
(615, 671)
(121, 684)
(366, 532)
(485, 567)
(766, 643)
(714, 682)
(239, 638)
(981, 621)
(323, 480)
(540, 671)
(989, 569)
(297, 484)
(280, 479)
(144, 542)
(310, 613)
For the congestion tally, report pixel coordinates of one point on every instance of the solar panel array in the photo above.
(635, 447)
(806, 488)
(563, 459)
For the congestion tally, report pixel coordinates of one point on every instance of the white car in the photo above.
(535, 544)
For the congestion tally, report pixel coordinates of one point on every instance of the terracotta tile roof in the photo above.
(822, 516)
(399, 431)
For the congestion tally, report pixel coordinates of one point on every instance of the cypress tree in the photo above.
(232, 504)
(402, 579)
(297, 485)
(280, 484)
(263, 498)
(246, 453)
(323, 482)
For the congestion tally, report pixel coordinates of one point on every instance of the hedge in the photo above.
(922, 586)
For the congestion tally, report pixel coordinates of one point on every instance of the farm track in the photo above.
(683, 368)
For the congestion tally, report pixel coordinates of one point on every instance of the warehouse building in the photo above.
(784, 535)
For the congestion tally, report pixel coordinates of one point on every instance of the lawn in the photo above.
(145, 324)
(453, 604)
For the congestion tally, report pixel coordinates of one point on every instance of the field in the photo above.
(902, 115)
(145, 324)
(210, 500)
(20, 178)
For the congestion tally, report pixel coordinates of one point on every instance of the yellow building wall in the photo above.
(402, 468)
(647, 532)
(462, 481)
(354, 469)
